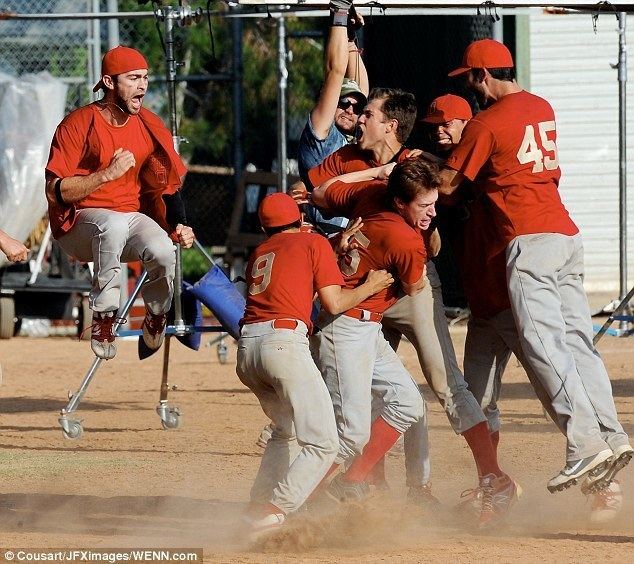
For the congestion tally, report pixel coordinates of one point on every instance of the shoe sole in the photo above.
(604, 481)
(598, 469)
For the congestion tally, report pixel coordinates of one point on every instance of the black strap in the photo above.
(57, 186)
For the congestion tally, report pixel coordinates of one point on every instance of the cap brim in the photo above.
(98, 86)
(459, 71)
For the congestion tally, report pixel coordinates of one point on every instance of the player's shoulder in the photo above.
(79, 118)
(151, 119)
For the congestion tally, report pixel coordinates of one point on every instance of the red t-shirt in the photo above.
(385, 241)
(284, 273)
(347, 159)
(509, 151)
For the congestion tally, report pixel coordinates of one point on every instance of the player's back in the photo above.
(284, 273)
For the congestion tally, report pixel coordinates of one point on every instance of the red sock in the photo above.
(495, 440)
(376, 476)
(479, 441)
(382, 438)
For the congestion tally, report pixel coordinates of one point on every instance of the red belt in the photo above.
(285, 324)
(363, 315)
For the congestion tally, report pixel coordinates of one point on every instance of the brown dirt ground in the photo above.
(128, 483)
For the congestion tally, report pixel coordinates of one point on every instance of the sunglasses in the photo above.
(344, 104)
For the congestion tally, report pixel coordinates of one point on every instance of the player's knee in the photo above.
(161, 252)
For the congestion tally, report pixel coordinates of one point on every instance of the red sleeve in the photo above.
(408, 257)
(473, 151)
(67, 149)
(329, 168)
(325, 268)
(341, 197)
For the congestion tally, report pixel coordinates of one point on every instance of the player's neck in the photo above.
(384, 153)
(502, 88)
(112, 112)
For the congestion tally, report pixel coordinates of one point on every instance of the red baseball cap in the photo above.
(484, 54)
(447, 107)
(278, 209)
(118, 60)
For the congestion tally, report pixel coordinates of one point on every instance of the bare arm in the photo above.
(335, 299)
(75, 188)
(14, 250)
(449, 181)
(323, 114)
(416, 287)
(377, 173)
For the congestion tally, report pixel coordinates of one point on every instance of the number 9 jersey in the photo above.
(509, 151)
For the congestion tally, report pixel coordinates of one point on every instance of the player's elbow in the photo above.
(413, 289)
(318, 196)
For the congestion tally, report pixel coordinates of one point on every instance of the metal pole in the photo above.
(238, 155)
(113, 25)
(497, 29)
(95, 50)
(622, 78)
(282, 78)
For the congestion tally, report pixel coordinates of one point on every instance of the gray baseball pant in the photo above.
(550, 307)
(357, 364)
(107, 238)
(277, 366)
(421, 318)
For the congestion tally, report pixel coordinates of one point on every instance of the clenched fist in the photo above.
(122, 161)
(185, 235)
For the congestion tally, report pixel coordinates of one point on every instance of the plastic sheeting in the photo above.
(31, 106)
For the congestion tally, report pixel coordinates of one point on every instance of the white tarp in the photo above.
(31, 106)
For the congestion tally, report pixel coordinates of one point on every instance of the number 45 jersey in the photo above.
(509, 151)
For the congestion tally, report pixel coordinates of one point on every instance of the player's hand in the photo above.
(185, 235)
(346, 239)
(434, 243)
(379, 280)
(384, 171)
(299, 193)
(14, 249)
(122, 161)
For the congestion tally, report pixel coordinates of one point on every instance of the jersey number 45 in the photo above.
(531, 151)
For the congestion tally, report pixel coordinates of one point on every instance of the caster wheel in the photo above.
(75, 430)
(173, 419)
(223, 353)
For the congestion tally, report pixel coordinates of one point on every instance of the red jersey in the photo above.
(482, 260)
(385, 241)
(283, 275)
(84, 143)
(509, 151)
(347, 159)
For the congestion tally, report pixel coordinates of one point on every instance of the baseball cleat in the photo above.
(575, 469)
(341, 490)
(421, 496)
(154, 329)
(620, 459)
(102, 335)
(257, 528)
(606, 503)
(471, 502)
(498, 493)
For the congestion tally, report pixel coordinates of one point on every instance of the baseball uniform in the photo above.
(275, 362)
(354, 357)
(509, 152)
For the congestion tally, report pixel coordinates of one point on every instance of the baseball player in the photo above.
(509, 152)
(383, 128)
(274, 360)
(391, 238)
(112, 183)
(13, 249)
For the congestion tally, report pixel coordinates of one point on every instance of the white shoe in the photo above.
(597, 482)
(606, 503)
(575, 469)
(265, 435)
(258, 528)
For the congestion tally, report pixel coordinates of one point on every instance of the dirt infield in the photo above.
(128, 483)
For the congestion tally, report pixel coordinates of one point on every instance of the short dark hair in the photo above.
(499, 73)
(410, 177)
(273, 230)
(398, 105)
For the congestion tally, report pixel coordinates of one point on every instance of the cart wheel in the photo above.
(222, 352)
(84, 320)
(7, 317)
(173, 420)
(75, 430)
